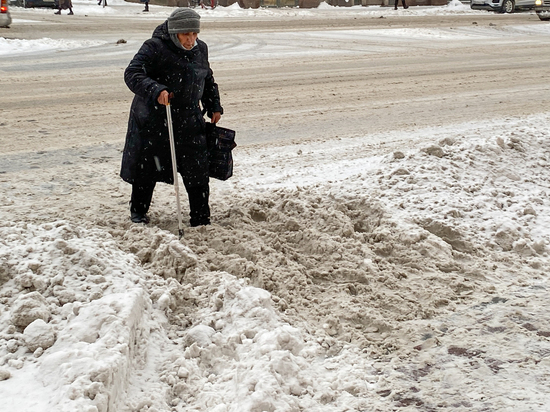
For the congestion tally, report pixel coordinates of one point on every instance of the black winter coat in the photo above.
(161, 65)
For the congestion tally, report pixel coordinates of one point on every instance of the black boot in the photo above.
(142, 193)
(198, 205)
(138, 217)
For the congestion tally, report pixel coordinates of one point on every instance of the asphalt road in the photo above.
(280, 80)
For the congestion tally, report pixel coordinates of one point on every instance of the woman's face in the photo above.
(187, 40)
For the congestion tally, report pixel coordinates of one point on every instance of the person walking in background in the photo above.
(171, 67)
(403, 2)
(64, 5)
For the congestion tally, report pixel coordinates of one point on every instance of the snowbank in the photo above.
(357, 277)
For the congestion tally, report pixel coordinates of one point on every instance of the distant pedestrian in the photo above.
(64, 5)
(404, 4)
(146, 5)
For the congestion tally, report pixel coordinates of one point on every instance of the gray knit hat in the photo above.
(184, 20)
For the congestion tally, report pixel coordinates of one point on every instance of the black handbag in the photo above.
(220, 142)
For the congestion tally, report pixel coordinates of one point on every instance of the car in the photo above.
(41, 3)
(5, 18)
(503, 6)
(542, 8)
(36, 3)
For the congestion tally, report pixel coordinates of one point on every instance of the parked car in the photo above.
(35, 3)
(5, 18)
(503, 6)
(542, 7)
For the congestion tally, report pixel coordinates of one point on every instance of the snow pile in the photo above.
(240, 356)
(75, 317)
(358, 276)
(243, 357)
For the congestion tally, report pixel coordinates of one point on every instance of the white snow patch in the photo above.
(18, 46)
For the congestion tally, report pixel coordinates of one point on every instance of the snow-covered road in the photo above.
(383, 244)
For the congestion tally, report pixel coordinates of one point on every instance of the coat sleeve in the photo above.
(138, 73)
(211, 96)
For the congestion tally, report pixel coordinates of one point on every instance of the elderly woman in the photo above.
(172, 67)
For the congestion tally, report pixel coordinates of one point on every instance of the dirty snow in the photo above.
(334, 278)
(337, 275)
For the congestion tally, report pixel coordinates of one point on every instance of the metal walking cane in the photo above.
(174, 165)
